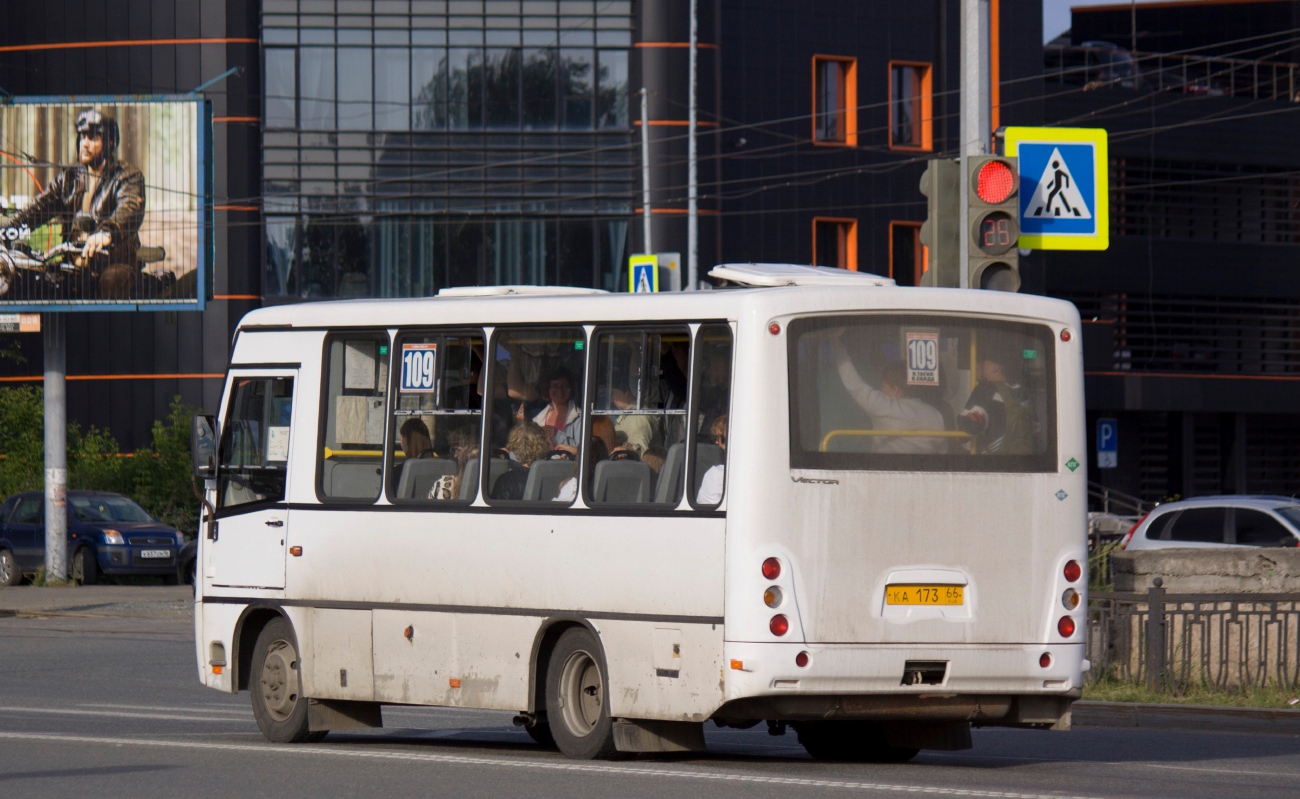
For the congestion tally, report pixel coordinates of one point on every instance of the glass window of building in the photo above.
(910, 116)
(835, 100)
(835, 242)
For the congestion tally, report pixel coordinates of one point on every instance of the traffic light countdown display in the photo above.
(994, 258)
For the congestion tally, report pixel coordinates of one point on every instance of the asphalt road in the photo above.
(110, 706)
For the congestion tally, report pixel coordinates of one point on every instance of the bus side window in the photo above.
(253, 459)
(712, 397)
(354, 406)
(536, 422)
(639, 412)
(437, 417)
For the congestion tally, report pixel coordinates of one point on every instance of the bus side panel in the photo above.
(663, 670)
(335, 657)
(454, 659)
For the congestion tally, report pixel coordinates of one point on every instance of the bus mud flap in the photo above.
(338, 714)
(637, 735)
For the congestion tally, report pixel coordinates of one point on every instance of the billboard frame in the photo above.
(204, 279)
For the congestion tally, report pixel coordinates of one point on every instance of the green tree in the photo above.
(163, 473)
(22, 439)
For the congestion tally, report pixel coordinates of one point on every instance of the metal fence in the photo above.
(1106, 66)
(1228, 641)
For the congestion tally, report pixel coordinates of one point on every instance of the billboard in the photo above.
(105, 203)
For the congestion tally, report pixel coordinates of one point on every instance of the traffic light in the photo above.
(994, 259)
(941, 233)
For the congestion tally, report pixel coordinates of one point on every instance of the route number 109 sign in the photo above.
(419, 368)
(922, 358)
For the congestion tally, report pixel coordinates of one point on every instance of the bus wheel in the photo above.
(276, 685)
(577, 697)
(850, 742)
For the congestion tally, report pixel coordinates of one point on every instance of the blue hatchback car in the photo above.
(107, 534)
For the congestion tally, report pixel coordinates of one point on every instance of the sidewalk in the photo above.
(98, 600)
(1190, 718)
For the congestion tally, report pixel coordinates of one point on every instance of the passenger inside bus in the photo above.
(710, 492)
(892, 406)
(561, 418)
(526, 445)
(448, 486)
(415, 439)
(998, 413)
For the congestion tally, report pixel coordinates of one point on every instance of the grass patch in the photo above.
(1270, 696)
(41, 581)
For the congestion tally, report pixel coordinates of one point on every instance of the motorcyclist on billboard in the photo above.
(100, 203)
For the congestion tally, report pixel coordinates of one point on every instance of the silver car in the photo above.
(1226, 521)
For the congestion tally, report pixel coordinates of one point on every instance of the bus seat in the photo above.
(352, 479)
(669, 487)
(419, 475)
(496, 468)
(623, 482)
(545, 477)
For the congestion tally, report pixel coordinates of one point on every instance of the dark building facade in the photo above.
(387, 148)
(1191, 330)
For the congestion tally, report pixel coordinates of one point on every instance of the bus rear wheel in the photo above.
(577, 697)
(850, 742)
(275, 686)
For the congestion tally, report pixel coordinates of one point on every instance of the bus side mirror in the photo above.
(203, 447)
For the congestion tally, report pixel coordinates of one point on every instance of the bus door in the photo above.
(252, 471)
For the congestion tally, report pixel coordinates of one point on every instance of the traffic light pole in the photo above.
(976, 114)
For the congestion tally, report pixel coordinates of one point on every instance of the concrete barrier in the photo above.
(1210, 571)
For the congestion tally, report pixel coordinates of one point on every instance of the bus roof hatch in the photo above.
(769, 275)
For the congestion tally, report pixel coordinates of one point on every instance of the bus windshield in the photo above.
(917, 392)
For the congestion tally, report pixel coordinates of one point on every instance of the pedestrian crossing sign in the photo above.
(1064, 187)
(643, 274)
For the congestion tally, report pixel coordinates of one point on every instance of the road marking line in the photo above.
(1121, 763)
(1291, 775)
(117, 714)
(588, 768)
(244, 712)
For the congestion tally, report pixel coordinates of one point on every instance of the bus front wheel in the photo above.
(850, 742)
(279, 707)
(577, 697)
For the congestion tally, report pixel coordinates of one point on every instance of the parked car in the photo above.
(107, 534)
(186, 572)
(1226, 521)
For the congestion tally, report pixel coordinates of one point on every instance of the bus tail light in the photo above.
(801, 659)
(779, 625)
(1129, 535)
(1073, 571)
(1045, 660)
(771, 568)
(772, 597)
(1065, 626)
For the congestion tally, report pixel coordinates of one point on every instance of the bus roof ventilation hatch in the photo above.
(522, 291)
(770, 275)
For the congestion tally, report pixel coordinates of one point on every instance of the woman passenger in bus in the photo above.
(527, 443)
(415, 439)
(891, 407)
(710, 492)
(561, 419)
(448, 486)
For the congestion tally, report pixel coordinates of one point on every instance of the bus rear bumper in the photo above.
(994, 684)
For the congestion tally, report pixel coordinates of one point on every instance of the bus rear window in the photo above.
(922, 393)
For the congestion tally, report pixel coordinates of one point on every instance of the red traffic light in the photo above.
(995, 182)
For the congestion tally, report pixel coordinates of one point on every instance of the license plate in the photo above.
(155, 553)
(923, 595)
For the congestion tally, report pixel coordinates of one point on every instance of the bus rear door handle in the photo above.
(274, 523)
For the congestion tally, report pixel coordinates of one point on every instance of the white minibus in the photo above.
(810, 499)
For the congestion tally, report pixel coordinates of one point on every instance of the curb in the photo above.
(1192, 718)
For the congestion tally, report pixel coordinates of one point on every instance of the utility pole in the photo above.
(56, 446)
(645, 170)
(976, 116)
(692, 169)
